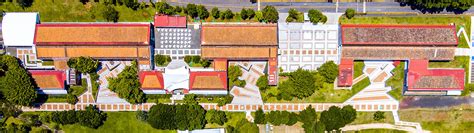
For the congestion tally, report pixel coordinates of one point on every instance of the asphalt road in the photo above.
(237, 5)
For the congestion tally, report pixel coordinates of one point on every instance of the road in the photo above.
(237, 5)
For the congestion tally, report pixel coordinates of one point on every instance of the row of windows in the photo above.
(307, 45)
(306, 58)
(178, 52)
(307, 35)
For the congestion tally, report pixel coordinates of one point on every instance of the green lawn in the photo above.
(458, 20)
(326, 95)
(117, 122)
(377, 131)
(360, 85)
(396, 81)
(232, 119)
(358, 68)
(367, 117)
(441, 120)
(51, 99)
(47, 63)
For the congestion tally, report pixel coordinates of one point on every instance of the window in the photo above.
(283, 45)
(307, 59)
(307, 45)
(319, 35)
(319, 45)
(307, 35)
(295, 46)
(283, 35)
(332, 35)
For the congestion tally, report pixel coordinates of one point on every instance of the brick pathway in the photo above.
(208, 106)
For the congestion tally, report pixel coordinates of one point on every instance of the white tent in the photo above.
(176, 76)
(19, 28)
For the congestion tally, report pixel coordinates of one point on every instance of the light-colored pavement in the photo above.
(380, 126)
(250, 93)
(292, 107)
(378, 72)
(110, 69)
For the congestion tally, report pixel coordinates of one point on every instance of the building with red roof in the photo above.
(345, 73)
(49, 81)
(424, 80)
(208, 82)
(151, 82)
(163, 21)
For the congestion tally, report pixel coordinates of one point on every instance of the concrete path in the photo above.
(380, 126)
(376, 93)
(110, 69)
(292, 107)
(250, 93)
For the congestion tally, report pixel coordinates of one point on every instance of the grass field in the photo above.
(368, 117)
(377, 131)
(458, 20)
(117, 122)
(442, 120)
(358, 68)
(326, 95)
(396, 81)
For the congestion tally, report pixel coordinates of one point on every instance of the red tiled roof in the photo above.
(151, 80)
(422, 78)
(413, 35)
(170, 21)
(206, 80)
(49, 79)
(345, 73)
(74, 34)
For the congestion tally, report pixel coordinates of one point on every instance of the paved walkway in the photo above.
(376, 93)
(293, 107)
(110, 69)
(380, 126)
(250, 93)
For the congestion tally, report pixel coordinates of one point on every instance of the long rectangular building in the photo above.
(59, 41)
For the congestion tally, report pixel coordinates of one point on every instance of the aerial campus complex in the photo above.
(237, 75)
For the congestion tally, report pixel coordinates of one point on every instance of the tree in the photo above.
(292, 15)
(162, 59)
(162, 116)
(202, 12)
(244, 126)
(292, 119)
(91, 117)
(228, 14)
(233, 73)
(216, 116)
(188, 58)
(437, 6)
(110, 14)
(350, 13)
(190, 99)
(349, 114)
(16, 85)
(259, 16)
(275, 118)
(83, 64)
(132, 4)
(178, 9)
(198, 117)
(308, 118)
(182, 117)
(332, 118)
(286, 90)
(25, 3)
(319, 127)
(259, 117)
(196, 58)
(324, 19)
(191, 10)
(243, 13)
(250, 13)
(215, 13)
(205, 63)
(270, 14)
(164, 8)
(262, 83)
(142, 115)
(127, 85)
(329, 70)
(379, 115)
(303, 82)
(315, 16)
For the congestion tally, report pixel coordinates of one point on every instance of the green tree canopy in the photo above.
(349, 114)
(127, 85)
(335, 117)
(437, 6)
(164, 8)
(227, 14)
(162, 59)
(350, 13)
(379, 115)
(191, 10)
(16, 84)
(270, 14)
(303, 83)
(329, 70)
(162, 116)
(91, 117)
(202, 12)
(216, 116)
(215, 13)
(262, 82)
(244, 126)
(292, 15)
(83, 64)
(250, 13)
(259, 117)
(111, 14)
(243, 13)
(315, 16)
(308, 118)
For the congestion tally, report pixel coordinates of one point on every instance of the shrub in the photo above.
(315, 16)
(243, 13)
(270, 14)
(110, 14)
(205, 63)
(250, 13)
(92, 117)
(202, 12)
(262, 83)
(329, 70)
(350, 13)
(224, 100)
(71, 99)
(190, 99)
(191, 10)
(162, 59)
(228, 14)
(83, 64)
(142, 115)
(259, 117)
(216, 116)
(292, 119)
(379, 115)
